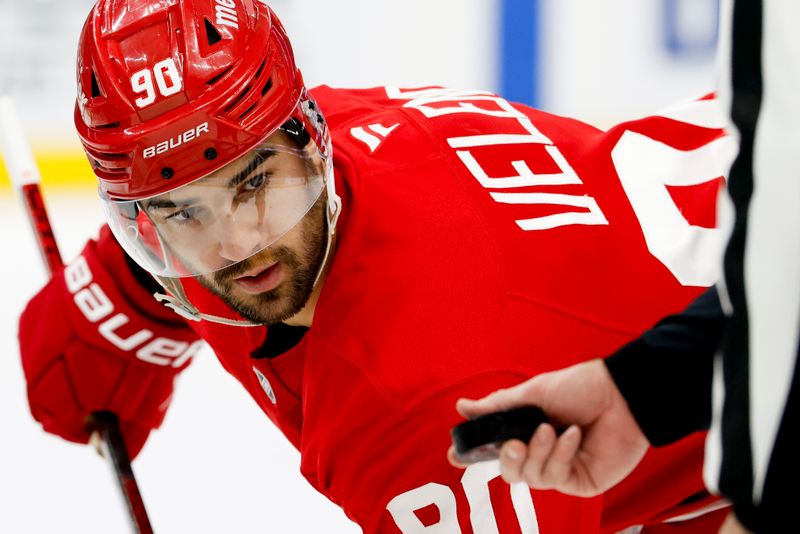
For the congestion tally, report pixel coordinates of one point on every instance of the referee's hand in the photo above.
(602, 445)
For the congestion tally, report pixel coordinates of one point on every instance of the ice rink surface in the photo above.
(216, 465)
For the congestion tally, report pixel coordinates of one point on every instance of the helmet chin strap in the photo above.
(332, 216)
(176, 298)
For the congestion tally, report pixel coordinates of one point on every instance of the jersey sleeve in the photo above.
(678, 350)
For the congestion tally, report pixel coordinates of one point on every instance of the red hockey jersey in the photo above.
(482, 242)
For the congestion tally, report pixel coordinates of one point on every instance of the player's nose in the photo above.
(237, 240)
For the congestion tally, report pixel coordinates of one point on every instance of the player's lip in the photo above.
(255, 271)
(260, 279)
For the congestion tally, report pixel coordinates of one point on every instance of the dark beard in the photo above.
(282, 302)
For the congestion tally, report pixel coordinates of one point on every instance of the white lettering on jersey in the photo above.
(404, 505)
(525, 177)
(591, 216)
(434, 103)
(95, 305)
(706, 113)
(645, 167)
(374, 139)
(475, 484)
(226, 13)
(178, 140)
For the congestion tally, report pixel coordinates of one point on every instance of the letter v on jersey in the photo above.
(375, 136)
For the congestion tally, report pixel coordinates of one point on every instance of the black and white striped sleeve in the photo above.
(754, 444)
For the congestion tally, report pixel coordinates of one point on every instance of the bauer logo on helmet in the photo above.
(178, 140)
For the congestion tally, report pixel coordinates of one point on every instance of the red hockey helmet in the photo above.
(172, 94)
(170, 91)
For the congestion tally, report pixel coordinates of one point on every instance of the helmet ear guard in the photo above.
(296, 132)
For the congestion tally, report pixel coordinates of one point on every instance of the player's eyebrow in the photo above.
(162, 203)
(261, 155)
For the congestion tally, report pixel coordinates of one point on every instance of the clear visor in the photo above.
(225, 217)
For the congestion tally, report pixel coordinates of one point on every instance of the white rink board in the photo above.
(605, 61)
(216, 465)
(601, 60)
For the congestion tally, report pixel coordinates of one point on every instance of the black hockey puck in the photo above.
(480, 439)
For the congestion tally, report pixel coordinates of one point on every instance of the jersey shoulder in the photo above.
(387, 129)
(342, 106)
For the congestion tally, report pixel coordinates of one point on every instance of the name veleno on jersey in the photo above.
(575, 209)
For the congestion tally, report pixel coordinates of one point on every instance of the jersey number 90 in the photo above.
(475, 484)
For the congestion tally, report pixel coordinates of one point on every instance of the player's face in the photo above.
(275, 284)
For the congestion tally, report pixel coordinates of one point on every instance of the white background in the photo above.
(218, 465)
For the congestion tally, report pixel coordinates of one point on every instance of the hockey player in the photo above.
(359, 259)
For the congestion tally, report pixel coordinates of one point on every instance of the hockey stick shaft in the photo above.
(25, 176)
(42, 231)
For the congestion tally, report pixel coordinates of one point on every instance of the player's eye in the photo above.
(183, 215)
(255, 183)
